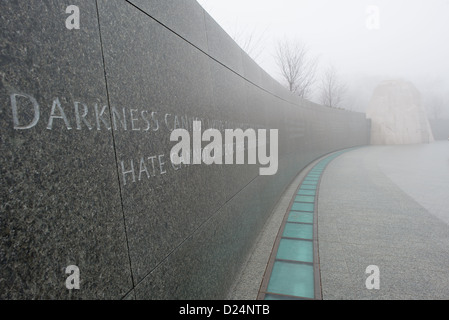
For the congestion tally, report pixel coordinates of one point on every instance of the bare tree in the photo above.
(297, 67)
(332, 88)
(251, 42)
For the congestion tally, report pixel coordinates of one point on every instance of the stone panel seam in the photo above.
(114, 146)
(211, 57)
(193, 233)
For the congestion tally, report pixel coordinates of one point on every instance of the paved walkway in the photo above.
(386, 206)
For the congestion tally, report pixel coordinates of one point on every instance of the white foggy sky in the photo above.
(412, 42)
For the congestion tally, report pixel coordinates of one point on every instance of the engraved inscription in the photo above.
(59, 114)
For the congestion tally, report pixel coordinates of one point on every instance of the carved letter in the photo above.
(133, 119)
(57, 104)
(127, 172)
(82, 117)
(99, 115)
(116, 115)
(143, 168)
(15, 116)
(143, 115)
(161, 164)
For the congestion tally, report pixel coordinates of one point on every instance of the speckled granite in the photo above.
(90, 181)
(60, 202)
(170, 81)
(185, 17)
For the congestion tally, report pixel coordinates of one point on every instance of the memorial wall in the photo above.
(87, 180)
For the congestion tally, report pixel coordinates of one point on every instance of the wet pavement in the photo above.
(386, 206)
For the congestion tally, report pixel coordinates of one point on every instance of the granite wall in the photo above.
(86, 177)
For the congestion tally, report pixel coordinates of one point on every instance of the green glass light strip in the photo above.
(294, 272)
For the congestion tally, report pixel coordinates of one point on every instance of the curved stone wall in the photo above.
(85, 122)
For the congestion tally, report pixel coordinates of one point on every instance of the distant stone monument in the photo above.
(397, 116)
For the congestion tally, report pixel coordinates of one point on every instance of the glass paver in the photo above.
(295, 250)
(293, 279)
(301, 217)
(278, 297)
(292, 275)
(303, 198)
(306, 192)
(297, 230)
(300, 206)
(308, 187)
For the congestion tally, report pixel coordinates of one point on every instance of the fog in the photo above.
(408, 40)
